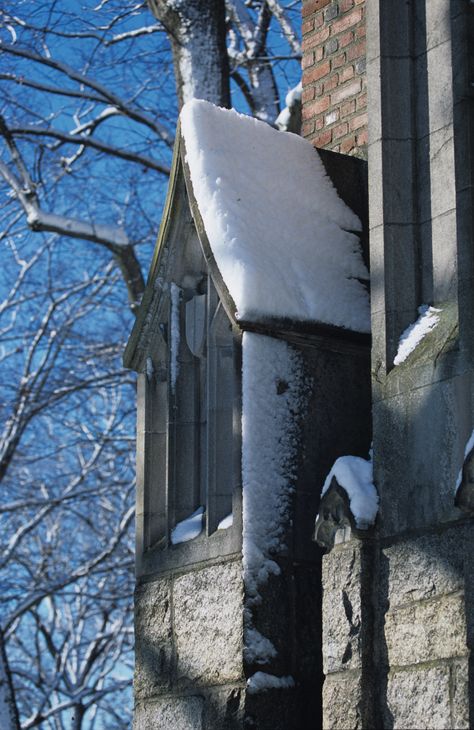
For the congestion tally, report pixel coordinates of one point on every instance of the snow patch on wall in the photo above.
(415, 332)
(355, 476)
(276, 226)
(188, 528)
(272, 382)
(261, 682)
(467, 449)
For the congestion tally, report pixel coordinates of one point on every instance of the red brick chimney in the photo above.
(334, 99)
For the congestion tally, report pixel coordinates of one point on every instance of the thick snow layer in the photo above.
(273, 394)
(468, 448)
(413, 334)
(226, 522)
(189, 528)
(261, 682)
(175, 293)
(276, 226)
(355, 476)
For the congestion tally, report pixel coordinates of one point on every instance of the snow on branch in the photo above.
(288, 31)
(108, 235)
(136, 33)
(113, 237)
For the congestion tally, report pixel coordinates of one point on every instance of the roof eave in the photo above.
(130, 359)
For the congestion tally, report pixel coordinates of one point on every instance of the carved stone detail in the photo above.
(335, 522)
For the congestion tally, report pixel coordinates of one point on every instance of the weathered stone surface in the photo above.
(426, 631)
(342, 701)
(423, 568)
(460, 694)
(419, 699)
(341, 610)
(418, 491)
(153, 646)
(224, 709)
(208, 615)
(181, 713)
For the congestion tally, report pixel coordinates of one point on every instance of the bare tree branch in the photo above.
(92, 142)
(107, 95)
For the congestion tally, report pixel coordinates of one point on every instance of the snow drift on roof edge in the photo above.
(276, 226)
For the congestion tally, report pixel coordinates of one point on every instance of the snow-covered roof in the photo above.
(281, 237)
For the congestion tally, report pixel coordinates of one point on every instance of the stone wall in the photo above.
(423, 655)
(334, 99)
(189, 642)
(397, 631)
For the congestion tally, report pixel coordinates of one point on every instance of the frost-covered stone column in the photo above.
(272, 409)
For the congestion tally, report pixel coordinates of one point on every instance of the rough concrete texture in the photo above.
(341, 701)
(426, 631)
(423, 567)
(419, 699)
(208, 627)
(153, 644)
(341, 610)
(181, 713)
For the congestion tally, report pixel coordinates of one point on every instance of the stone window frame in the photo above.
(158, 494)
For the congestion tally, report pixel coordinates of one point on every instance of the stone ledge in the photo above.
(184, 713)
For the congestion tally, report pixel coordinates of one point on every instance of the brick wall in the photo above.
(334, 77)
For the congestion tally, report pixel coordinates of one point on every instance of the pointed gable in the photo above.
(283, 240)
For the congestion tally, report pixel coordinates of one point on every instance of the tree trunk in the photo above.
(8, 710)
(197, 32)
(78, 712)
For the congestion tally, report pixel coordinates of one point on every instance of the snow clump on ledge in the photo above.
(355, 476)
(261, 682)
(415, 332)
(279, 232)
(226, 522)
(188, 528)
